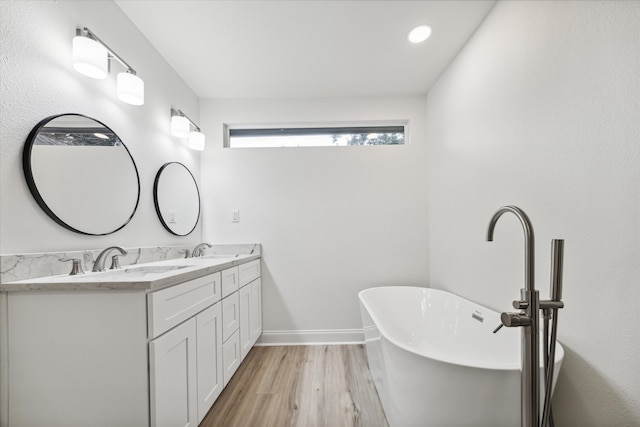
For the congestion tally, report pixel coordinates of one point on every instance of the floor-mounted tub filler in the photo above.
(437, 360)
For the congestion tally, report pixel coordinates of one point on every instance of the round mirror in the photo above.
(177, 200)
(81, 174)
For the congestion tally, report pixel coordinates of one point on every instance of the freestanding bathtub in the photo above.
(436, 362)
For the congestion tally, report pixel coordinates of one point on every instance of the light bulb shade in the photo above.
(90, 57)
(196, 141)
(130, 89)
(179, 126)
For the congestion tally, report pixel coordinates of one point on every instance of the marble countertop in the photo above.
(148, 277)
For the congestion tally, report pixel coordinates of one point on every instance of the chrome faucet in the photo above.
(98, 265)
(528, 319)
(199, 249)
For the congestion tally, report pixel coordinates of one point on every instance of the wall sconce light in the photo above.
(91, 57)
(181, 127)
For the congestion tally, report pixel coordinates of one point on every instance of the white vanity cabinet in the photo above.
(191, 363)
(128, 358)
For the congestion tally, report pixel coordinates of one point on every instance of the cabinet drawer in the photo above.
(230, 316)
(249, 272)
(230, 280)
(172, 306)
(231, 356)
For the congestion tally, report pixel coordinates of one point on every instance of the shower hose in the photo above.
(549, 363)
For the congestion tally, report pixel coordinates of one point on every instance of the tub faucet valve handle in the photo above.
(515, 319)
(498, 328)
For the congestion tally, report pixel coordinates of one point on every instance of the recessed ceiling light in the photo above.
(419, 34)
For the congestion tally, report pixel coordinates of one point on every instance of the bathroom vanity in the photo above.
(147, 345)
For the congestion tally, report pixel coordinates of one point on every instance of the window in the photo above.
(313, 136)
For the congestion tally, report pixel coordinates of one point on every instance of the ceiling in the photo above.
(305, 48)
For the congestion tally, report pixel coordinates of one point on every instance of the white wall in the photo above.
(541, 110)
(331, 220)
(38, 80)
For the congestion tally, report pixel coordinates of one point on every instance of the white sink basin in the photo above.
(223, 256)
(142, 271)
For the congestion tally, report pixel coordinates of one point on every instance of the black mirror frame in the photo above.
(28, 174)
(157, 204)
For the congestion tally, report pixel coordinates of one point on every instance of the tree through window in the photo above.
(329, 136)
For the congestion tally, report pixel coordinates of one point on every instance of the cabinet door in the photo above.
(245, 320)
(231, 356)
(209, 344)
(173, 383)
(230, 316)
(255, 312)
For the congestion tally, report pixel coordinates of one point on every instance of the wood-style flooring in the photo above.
(300, 386)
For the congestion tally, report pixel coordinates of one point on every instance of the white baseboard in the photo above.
(333, 336)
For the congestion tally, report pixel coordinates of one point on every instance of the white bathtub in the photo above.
(435, 363)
